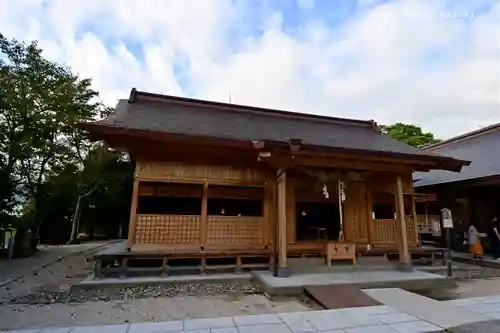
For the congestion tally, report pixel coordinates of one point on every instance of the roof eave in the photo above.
(96, 130)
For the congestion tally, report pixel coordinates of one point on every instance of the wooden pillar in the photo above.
(427, 215)
(404, 254)
(291, 223)
(204, 217)
(282, 234)
(369, 218)
(415, 222)
(269, 214)
(133, 215)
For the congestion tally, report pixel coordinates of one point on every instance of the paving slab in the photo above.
(267, 328)
(208, 323)
(437, 313)
(297, 323)
(257, 319)
(372, 329)
(101, 329)
(223, 330)
(420, 326)
(159, 327)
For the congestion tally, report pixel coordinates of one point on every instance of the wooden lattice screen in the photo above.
(235, 230)
(385, 231)
(168, 229)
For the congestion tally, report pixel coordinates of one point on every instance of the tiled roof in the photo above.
(480, 147)
(174, 115)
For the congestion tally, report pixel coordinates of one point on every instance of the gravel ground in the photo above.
(43, 299)
(472, 281)
(142, 310)
(54, 278)
(482, 327)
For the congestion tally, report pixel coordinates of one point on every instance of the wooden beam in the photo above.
(338, 162)
(404, 254)
(282, 216)
(204, 214)
(133, 215)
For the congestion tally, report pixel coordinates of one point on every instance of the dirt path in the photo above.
(52, 268)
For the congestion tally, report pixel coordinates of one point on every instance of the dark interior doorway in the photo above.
(317, 221)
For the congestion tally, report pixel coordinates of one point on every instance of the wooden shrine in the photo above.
(216, 181)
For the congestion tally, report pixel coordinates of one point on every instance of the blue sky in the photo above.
(434, 63)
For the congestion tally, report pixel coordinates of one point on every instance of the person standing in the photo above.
(474, 242)
(495, 238)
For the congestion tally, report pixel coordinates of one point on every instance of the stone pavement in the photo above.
(376, 319)
(409, 313)
(439, 313)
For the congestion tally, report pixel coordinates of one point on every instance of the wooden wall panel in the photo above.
(233, 192)
(179, 172)
(382, 182)
(170, 190)
(356, 212)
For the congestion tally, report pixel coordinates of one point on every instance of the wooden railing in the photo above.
(385, 231)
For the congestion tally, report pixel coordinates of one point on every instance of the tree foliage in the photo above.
(46, 162)
(410, 134)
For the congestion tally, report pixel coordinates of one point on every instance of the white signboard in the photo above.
(436, 228)
(447, 219)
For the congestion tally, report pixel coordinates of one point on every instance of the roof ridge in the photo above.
(136, 95)
(463, 137)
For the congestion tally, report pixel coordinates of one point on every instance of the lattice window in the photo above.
(168, 229)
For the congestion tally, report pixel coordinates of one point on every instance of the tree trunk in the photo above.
(76, 216)
(75, 221)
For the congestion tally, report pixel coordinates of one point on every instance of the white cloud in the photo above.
(398, 61)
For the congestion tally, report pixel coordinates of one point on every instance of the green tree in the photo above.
(40, 104)
(410, 134)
